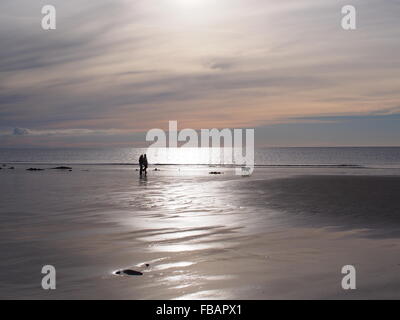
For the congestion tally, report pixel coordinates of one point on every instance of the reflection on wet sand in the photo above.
(218, 239)
(192, 235)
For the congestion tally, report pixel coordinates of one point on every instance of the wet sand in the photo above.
(282, 233)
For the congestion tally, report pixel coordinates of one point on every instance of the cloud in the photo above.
(220, 64)
(66, 132)
(390, 114)
(128, 66)
(20, 132)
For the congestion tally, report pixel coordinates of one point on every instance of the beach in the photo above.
(269, 130)
(282, 233)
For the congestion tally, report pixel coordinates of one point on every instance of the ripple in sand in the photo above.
(185, 247)
(176, 235)
(166, 266)
(206, 295)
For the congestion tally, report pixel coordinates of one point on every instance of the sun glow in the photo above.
(195, 7)
(190, 3)
(193, 12)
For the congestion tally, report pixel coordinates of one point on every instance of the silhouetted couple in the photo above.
(143, 164)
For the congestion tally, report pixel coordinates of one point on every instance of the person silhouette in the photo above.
(145, 164)
(141, 161)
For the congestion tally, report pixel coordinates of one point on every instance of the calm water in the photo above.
(338, 156)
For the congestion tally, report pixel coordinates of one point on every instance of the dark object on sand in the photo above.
(147, 265)
(62, 168)
(215, 172)
(157, 169)
(34, 169)
(129, 272)
(11, 168)
(4, 165)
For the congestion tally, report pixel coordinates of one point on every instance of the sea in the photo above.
(374, 157)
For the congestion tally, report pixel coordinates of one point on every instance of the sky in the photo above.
(114, 69)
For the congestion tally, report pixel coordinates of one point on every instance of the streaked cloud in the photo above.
(65, 132)
(118, 68)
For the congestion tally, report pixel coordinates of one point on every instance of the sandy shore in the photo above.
(282, 233)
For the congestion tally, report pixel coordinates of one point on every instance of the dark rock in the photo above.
(215, 172)
(62, 168)
(147, 265)
(129, 272)
(157, 169)
(11, 168)
(34, 169)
